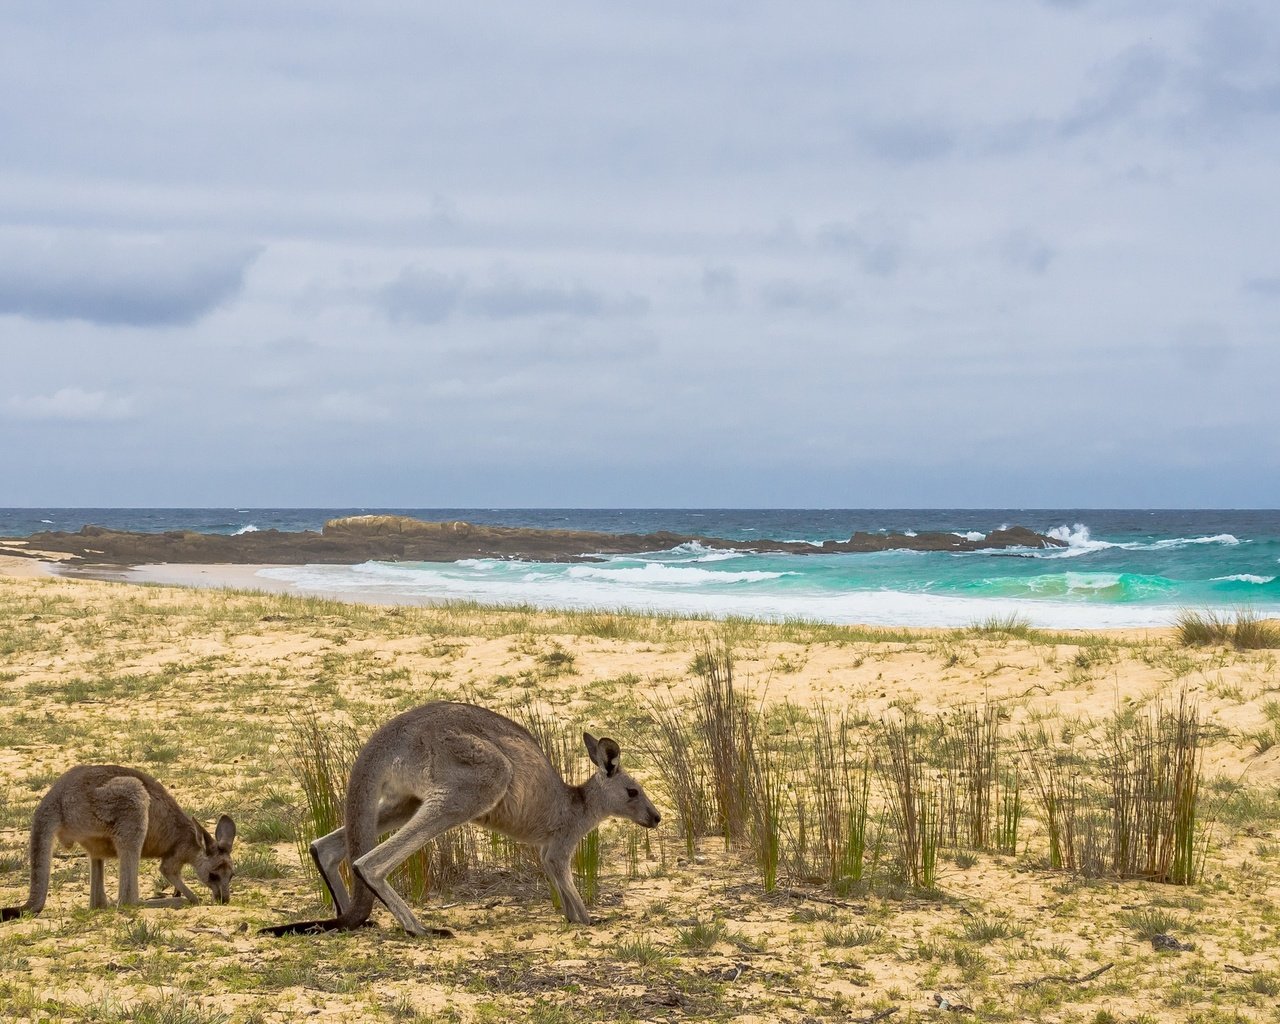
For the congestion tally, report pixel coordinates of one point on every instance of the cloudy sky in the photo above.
(998, 253)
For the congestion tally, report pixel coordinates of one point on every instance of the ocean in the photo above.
(1120, 568)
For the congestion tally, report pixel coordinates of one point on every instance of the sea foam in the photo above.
(549, 587)
(667, 575)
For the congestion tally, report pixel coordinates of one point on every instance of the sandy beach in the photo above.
(202, 686)
(224, 577)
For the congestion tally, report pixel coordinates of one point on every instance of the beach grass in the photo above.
(1242, 629)
(897, 814)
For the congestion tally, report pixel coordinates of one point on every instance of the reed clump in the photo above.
(1244, 630)
(1153, 770)
(725, 725)
(829, 797)
(677, 754)
(915, 800)
(837, 777)
(319, 755)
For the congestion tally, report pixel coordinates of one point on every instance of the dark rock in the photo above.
(398, 538)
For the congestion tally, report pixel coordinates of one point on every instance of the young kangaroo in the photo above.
(443, 764)
(121, 812)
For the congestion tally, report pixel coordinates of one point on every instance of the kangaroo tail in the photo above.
(331, 924)
(42, 836)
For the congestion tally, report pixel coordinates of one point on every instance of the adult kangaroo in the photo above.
(117, 812)
(443, 764)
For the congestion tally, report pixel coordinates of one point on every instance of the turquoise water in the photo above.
(1120, 567)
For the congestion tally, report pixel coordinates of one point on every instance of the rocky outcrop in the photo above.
(400, 539)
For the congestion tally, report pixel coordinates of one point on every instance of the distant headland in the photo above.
(387, 538)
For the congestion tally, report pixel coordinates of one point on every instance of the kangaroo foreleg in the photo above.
(555, 862)
(173, 875)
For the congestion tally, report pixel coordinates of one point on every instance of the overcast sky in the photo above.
(993, 253)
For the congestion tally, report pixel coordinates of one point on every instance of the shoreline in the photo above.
(246, 577)
(226, 576)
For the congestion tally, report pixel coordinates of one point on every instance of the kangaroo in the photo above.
(443, 764)
(113, 811)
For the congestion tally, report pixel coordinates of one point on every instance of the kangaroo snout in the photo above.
(654, 819)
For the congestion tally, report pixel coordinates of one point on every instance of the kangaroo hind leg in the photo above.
(124, 806)
(329, 851)
(461, 788)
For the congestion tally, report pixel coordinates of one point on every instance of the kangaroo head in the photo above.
(621, 796)
(213, 861)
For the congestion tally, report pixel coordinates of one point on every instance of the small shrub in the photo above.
(863, 935)
(1150, 921)
(702, 934)
(556, 662)
(142, 933)
(1011, 625)
(259, 862)
(1254, 633)
(1202, 629)
(642, 951)
(1246, 631)
(987, 930)
(1264, 983)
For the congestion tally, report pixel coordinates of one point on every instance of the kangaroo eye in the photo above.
(633, 793)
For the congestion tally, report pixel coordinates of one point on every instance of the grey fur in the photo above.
(444, 764)
(117, 812)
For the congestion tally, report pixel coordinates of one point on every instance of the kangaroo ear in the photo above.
(210, 844)
(226, 833)
(603, 752)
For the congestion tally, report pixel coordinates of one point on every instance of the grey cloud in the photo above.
(1129, 84)
(349, 407)
(423, 296)
(429, 297)
(720, 283)
(1129, 81)
(1234, 72)
(910, 141)
(789, 294)
(1026, 250)
(1268, 286)
(1203, 347)
(513, 298)
(586, 347)
(132, 281)
(876, 246)
(69, 404)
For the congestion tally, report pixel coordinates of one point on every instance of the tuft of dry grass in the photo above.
(1244, 630)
